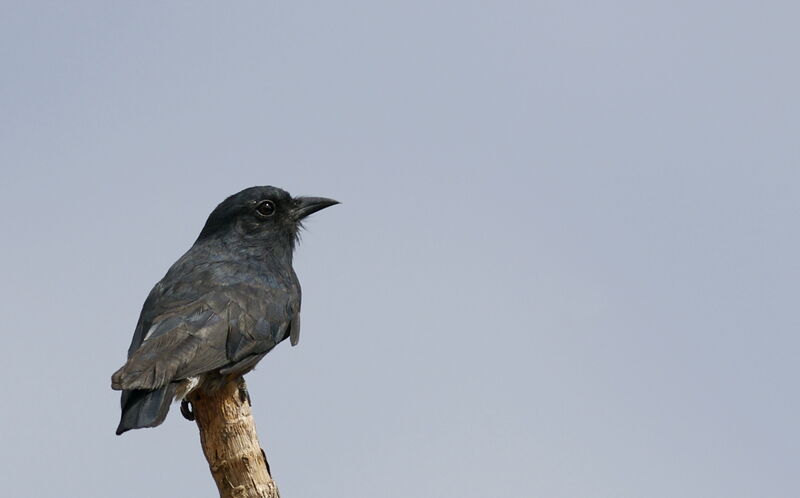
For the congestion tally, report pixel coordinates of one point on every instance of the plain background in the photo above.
(566, 262)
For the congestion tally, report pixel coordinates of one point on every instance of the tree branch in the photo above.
(230, 443)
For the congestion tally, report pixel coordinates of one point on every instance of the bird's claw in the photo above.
(186, 410)
(244, 394)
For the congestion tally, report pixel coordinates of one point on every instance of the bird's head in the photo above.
(262, 216)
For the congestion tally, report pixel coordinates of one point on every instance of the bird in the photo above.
(220, 308)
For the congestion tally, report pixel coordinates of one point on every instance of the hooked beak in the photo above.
(304, 206)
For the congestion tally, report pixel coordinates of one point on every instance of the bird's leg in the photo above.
(244, 394)
(186, 410)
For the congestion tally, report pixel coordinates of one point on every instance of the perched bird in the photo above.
(220, 308)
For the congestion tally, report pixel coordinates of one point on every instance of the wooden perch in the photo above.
(229, 440)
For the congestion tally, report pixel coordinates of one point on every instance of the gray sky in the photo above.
(566, 262)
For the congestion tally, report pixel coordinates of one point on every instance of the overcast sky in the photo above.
(565, 263)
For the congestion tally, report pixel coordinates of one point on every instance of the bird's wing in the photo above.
(179, 338)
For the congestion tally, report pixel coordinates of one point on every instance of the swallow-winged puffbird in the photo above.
(220, 308)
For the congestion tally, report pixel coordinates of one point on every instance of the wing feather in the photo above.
(215, 332)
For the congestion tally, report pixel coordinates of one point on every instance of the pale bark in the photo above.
(229, 440)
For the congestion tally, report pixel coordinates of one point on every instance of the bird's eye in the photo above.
(265, 209)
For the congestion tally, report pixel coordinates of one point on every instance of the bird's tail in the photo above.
(144, 408)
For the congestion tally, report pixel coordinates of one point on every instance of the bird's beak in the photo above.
(304, 206)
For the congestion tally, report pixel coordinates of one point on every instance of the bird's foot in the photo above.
(186, 410)
(244, 394)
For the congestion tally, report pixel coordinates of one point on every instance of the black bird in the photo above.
(220, 308)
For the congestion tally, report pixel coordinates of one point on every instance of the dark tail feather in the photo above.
(142, 408)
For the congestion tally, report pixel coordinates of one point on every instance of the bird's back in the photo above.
(205, 316)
